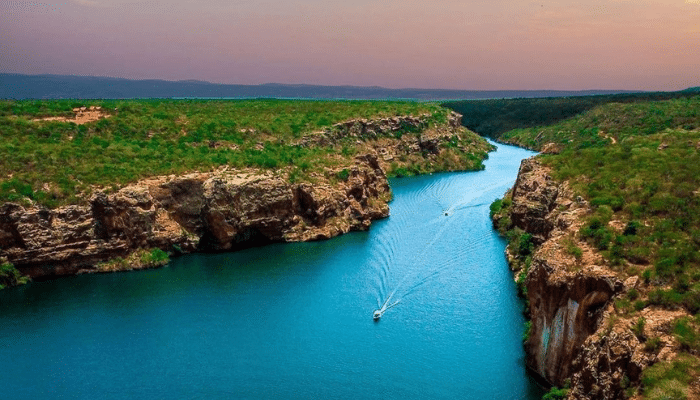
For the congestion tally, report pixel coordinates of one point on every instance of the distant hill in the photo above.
(18, 86)
(494, 117)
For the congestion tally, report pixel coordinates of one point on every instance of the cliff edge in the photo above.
(579, 336)
(227, 209)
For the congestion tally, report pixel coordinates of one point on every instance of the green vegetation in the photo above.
(527, 331)
(669, 380)
(648, 180)
(10, 276)
(494, 117)
(138, 260)
(495, 207)
(573, 249)
(154, 258)
(556, 393)
(686, 331)
(613, 122)
(637, 164)
(638, 328)
(54, 163)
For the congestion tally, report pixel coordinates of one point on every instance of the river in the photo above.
(293, 321)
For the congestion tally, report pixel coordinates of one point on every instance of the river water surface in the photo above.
(293, 321)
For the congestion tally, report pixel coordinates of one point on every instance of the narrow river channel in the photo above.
(293, 321)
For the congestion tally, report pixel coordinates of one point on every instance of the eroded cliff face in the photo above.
(570, 298)
(228, 209)
(222, 210)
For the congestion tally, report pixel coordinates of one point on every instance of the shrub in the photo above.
(638, 328)
(525, 245)
(687, 334)
(556, 393)
(155, 257)
(653, 345)
(495, 207)
(10, 276)
(633, 294)
(343, 175)
(527, 331)
(597, 233)
(631, 228)
(573, 249)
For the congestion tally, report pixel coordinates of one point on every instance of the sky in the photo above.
(442, 44)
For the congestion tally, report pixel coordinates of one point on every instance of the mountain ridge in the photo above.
(47, 86)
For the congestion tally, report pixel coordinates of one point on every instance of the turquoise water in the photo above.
(293, 321)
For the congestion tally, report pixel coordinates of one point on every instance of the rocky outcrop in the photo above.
(568, 296)
(215, 211)
(365, 129)
(228, 210)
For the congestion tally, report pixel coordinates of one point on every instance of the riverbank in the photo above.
(294, 320)
(274, 183)
(602, 242)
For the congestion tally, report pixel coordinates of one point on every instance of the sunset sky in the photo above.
(451, 44)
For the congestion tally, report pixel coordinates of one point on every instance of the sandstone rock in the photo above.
(631, 282)
(534, 199)
(551, 148)
(568, 306)
(221, 210)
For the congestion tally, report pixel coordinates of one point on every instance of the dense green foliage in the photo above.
(53, 163)
(556, 393)
(10, 276)
(496, 116)
(612, 123)
(638, 166)
(655, 193)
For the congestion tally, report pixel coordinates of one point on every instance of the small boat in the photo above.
(377, 314)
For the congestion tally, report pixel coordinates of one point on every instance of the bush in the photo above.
(10, 276)
(154, 258)
(527, 331)
(343, 175)
(597, 233)
(633, 294)
(687, 334)
(638, 328)
(573, 249)
(525, 245)
(556, 393)
(631, 228)
(495, 207)
(653, 345)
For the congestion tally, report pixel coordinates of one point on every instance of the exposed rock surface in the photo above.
(228, 210)
(394, 126)
(221, 210)
(578, 337)
(568, 296)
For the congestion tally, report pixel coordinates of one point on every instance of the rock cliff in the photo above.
(573, 340)
(221, 210)
(232, 209)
